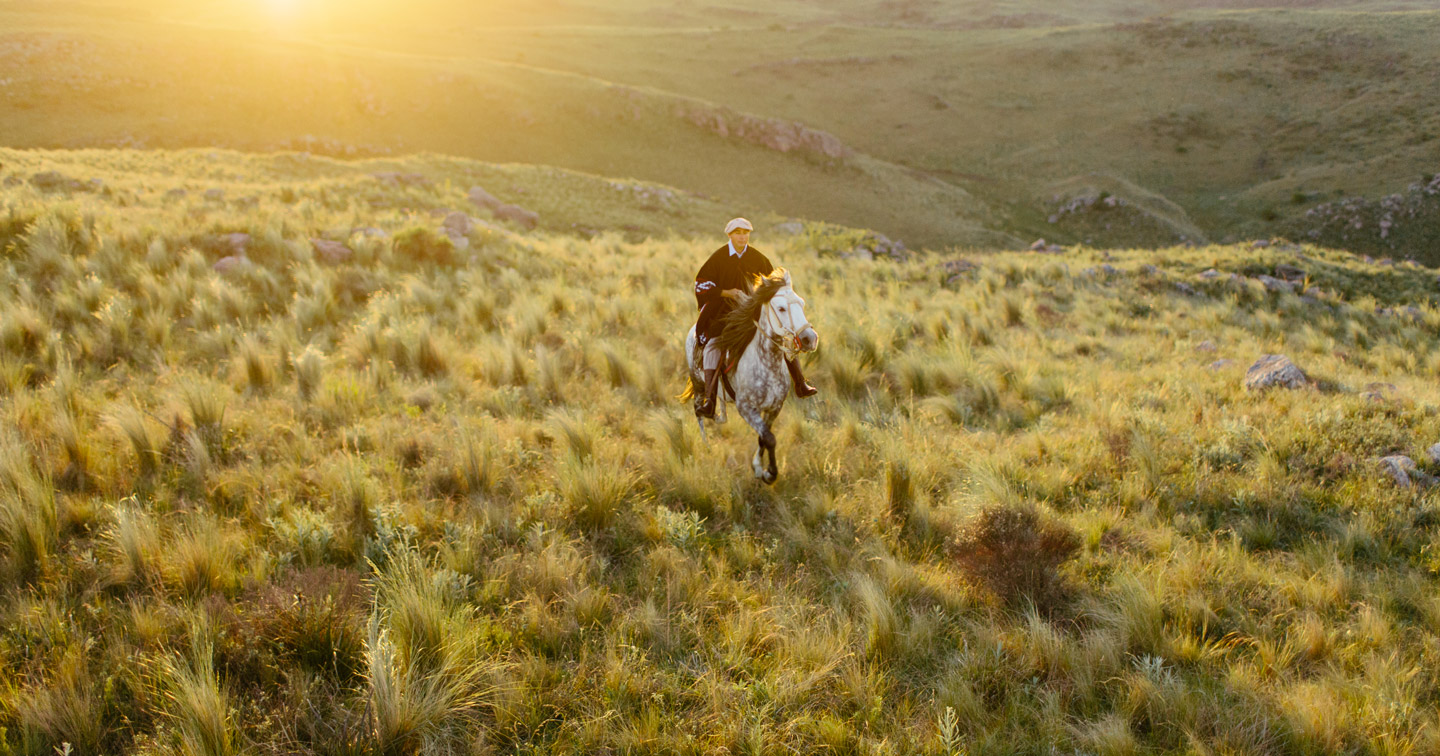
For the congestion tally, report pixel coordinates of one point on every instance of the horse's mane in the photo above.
(740, 323)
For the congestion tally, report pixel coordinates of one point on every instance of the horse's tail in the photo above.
(692, 389)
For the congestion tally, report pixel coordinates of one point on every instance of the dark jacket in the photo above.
(724, 271)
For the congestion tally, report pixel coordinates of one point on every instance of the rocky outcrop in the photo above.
(1272, 371)
(770, 133)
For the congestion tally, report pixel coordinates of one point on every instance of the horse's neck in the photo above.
(762, 344)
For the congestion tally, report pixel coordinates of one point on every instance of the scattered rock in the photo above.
(959, 266)
(1185, 288)
(1218, 364)
(1273, 370)
(1275, 284)
(1411, 312)
(789, 228)
(1290, 273)
(214, 195)
(879, 245)
(402, 179)
(13, 181)
(1041, 245)
(1260, 244)
(484, 199)
(1205, 346)
(458, 224)
(1211, 274)
(231, 264)
(1148, 270)
(369, 232)
(332, 252)
(234, 244)
(175, 194)
(1433, 453)
(1404, 472)
(527, 219)
(96, 185)
(53, 181)
(1378, 392)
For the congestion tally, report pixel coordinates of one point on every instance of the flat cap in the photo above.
(738, 223)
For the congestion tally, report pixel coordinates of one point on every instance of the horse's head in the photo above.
(785, 317)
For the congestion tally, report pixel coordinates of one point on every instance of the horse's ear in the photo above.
(786, 275)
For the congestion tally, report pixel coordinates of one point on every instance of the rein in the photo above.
(784, 339)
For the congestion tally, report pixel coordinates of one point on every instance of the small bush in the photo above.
(421, 245)
(1016, 553)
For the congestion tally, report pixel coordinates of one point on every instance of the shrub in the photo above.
(1015, 553)
(422, 245)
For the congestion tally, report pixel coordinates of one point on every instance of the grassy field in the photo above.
(970, 124)
(439, 497)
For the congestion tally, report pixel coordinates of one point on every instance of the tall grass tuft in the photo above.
(195, 704)
(134, 539)
(67, 711)
(29, 514)
(425, 676)
(309, 369)
(131, 424)
(258, 371)
(594, 493)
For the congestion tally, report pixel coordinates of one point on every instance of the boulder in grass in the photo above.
(458, 224)
(1290, 273)
(1275, 284)
(214, 195)
(1404, 472)
(332, 252)
(527, 219)
(231, 264)
(1433, 453)
(1274, 370)
(484, 199)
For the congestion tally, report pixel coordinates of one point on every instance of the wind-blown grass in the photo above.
(527, 546)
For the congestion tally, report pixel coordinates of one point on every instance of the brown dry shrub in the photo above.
(1016, 553)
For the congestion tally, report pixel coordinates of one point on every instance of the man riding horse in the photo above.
(721, 280)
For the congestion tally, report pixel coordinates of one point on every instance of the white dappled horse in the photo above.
(767, 327)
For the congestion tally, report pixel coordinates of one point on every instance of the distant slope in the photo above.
(954, 118)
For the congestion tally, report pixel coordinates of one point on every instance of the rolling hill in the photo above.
(942, 125)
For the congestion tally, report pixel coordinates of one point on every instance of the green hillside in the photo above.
(938, 124)
(434, 494)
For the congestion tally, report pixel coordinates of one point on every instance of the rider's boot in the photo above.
(712, 384)
(802, 389)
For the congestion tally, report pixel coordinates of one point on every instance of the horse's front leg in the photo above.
(767, 442)
(757, 420)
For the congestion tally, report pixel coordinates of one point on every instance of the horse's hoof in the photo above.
(769, 479)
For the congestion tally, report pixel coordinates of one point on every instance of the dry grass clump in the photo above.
(1016, 554)
(478, 522)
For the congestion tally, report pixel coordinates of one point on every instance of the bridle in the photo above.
(783, 337)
